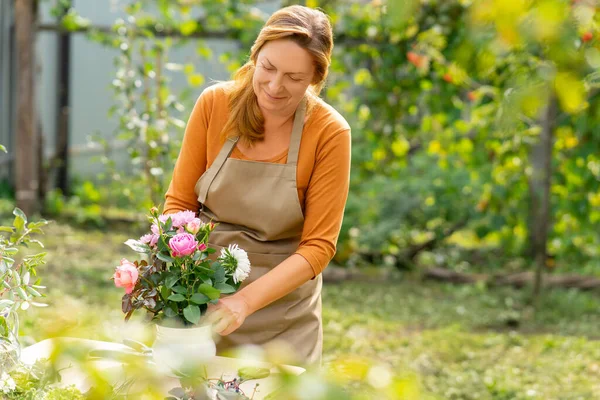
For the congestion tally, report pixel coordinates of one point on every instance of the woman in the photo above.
(269, 161)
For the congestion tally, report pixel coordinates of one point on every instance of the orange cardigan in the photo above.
(322, 176)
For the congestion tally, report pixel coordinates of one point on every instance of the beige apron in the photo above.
(256, 206)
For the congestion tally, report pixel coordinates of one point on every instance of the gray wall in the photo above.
(6, 91)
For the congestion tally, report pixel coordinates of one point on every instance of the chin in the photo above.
(271, 105)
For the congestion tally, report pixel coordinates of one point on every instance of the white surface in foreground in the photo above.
(115, 371)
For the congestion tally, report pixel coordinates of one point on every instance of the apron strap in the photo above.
(216, 167)
(292, 158)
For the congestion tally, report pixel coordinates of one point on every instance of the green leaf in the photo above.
(249, 373)
(15, 276)
(33, 292)
(177, 297)
(138, 246)
(2, 148)
(3, 266)
(188, 27)
(219, 274)
(168, 224)
(19, 213)
(165, 292)
(210, 250)
(164, 257)
(6, 229)
(36, 242)
(169, 312)
(37, 224)
(162, 245)
(6, 304)
(199, 298)
(225, 288)
(22, 293)
(196, 80)
(180, 289)
(171, 280)
(210, 291)
(19, 224)
(192, 313)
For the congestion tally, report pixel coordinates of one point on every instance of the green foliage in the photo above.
(447, 86)
(19, 289)
(34, 382)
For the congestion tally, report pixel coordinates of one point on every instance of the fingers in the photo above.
(222, 318)
(223, 325)
(212, 316)
(211, 309)
(219, 317)
(230, 329)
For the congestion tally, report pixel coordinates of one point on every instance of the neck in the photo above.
(275, 121)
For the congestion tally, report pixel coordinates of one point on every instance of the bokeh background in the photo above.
(468, 265)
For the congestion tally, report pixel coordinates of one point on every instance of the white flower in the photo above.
(236, 262)
(7, 384)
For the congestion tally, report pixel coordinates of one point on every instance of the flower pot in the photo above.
(178, 348)
(10, 348)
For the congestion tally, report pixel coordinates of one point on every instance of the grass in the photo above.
(463, 342)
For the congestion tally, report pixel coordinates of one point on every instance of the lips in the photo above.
(273, 97)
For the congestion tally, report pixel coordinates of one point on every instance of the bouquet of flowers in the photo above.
(180, 278)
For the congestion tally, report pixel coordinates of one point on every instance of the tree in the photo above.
(27, 168)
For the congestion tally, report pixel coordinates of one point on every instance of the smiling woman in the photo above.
(283, 73)
(269, 161)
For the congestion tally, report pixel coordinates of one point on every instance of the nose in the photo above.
(275, 84)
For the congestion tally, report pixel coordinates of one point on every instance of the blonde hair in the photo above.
(307, 27)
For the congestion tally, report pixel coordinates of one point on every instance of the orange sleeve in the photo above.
(325, 201)
(192, 160)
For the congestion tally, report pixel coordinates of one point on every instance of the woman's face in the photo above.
(283, 73)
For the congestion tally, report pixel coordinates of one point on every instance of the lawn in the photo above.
(462, 342)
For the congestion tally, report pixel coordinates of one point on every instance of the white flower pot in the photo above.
(177, 348)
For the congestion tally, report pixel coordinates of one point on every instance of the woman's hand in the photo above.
(228, 314)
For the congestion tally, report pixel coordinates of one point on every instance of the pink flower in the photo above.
(150, 239)
(154, 229)
(182, 218)
(194, 226)
(126, 275)
(202, 247)
(179, 219)
(183, 244)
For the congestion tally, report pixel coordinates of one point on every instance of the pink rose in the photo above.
(202, 247)
(182, 218)
(179, 219)
(126, 275)
(194, 226)
(183, 244)
(150, 239)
